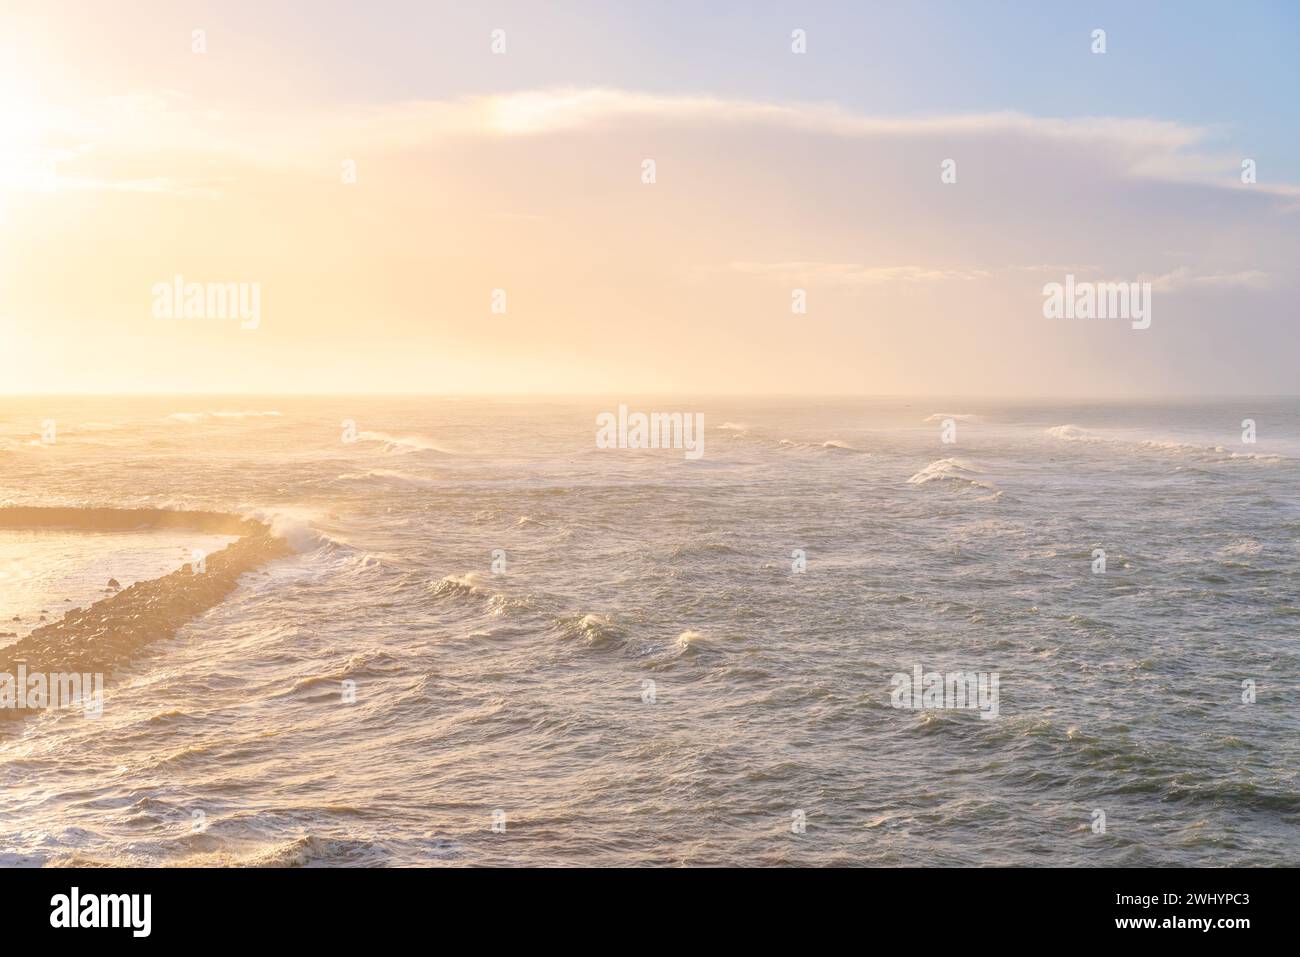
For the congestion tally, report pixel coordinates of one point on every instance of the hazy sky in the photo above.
(127, 158)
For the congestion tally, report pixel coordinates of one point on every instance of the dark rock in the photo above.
(131, 618)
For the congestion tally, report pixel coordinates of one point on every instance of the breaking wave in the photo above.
(311, 850)
(1203, 453)
(689, 641)
(402, 444)
(294, 526)
(953, 470)
(364, 665)
(475, 585)
(1072, 433)
(591, 629)
(193, 417)
(471, 583)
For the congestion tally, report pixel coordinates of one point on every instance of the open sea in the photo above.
(496, 643)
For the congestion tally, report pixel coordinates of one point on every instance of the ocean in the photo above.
(496, 643)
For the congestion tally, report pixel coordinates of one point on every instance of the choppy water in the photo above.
(525, 692)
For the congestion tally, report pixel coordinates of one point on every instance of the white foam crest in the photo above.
(689, 639)
(830, 445)
(1072, 433)
(1257, 456)
(952, 470)
(469, 583)
(592, 628)
(478, 585)
(1211, 453)
(195, 417)
(295, 526)
(403, 444)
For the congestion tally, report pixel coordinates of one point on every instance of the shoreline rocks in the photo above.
(104, 637)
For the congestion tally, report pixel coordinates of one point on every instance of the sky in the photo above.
(417, 211)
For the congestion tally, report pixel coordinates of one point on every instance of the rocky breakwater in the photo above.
(103, 638)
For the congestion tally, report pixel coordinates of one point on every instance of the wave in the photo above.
(1139, 768)
(1213, 453)
(309, 850)
(1072, 433)
(830, 445)
(403, 444)
(193, 417)
(471, 583)
(689, 641)
(373, 664)
(1257, 456)
(388, 475)
(294, 526)
(105, 636)
(741, 431)
(957, 471)
(1206, 453)
(165, 717)
(591, 629)
(703, 547)
(475, 585)
(955, 416)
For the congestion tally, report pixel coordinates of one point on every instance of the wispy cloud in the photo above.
(854, 274)
(168, 122)
(548, 111)
(1186, 277)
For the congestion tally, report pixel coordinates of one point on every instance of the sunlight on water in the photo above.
(624, 655)
(44, 573)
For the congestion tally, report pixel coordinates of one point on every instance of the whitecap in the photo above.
(953, 470)
(403, 444)
(195, 417)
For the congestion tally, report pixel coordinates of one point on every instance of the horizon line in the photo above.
(989, 397)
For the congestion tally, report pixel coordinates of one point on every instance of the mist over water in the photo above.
(526, 691)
